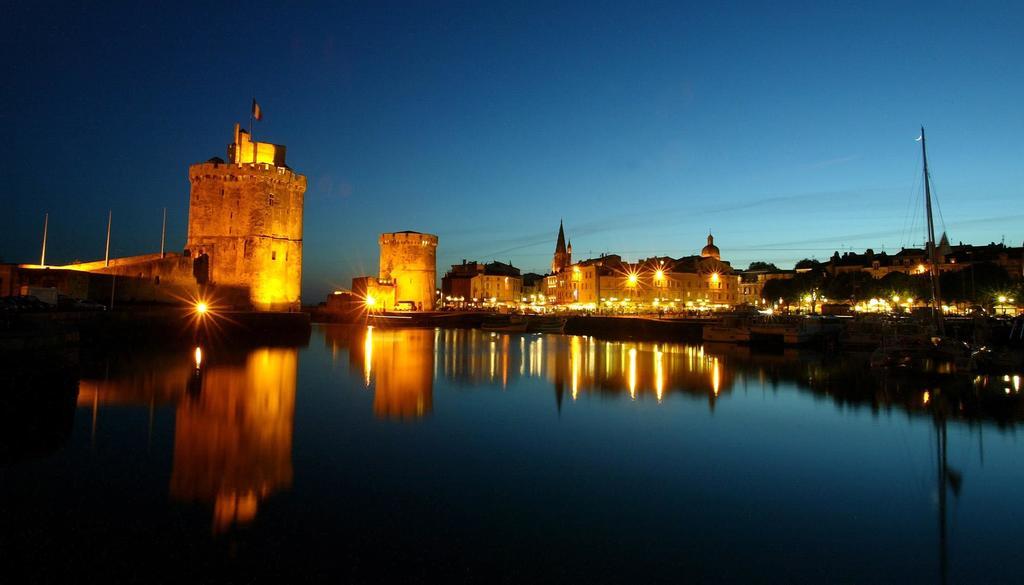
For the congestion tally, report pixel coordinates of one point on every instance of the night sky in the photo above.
(785, 128)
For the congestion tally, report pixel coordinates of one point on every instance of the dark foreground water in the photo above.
(453, 456)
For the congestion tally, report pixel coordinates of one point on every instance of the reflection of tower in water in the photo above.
(233, 440)
(400, 363)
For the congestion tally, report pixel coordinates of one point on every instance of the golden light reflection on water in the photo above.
(233, 440)
(405, 362)
(581, 366)
(368, 352)
(234, 417)
(632, 373)
(398, 366)
(659, 382)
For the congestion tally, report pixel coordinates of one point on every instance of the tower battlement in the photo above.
(408, 238)
(240, 172)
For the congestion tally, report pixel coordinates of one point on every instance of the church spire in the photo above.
(560, 244)
(561, 258)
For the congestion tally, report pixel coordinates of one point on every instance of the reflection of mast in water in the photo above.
(948, 479)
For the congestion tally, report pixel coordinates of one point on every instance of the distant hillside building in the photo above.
(245, 224)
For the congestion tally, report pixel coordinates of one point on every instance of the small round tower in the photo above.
(409, 260)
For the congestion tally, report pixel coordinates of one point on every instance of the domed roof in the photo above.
(711, 250)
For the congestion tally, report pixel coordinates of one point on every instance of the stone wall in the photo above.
(135, 279)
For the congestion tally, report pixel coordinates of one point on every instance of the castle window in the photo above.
(273, 254)
(271, 199)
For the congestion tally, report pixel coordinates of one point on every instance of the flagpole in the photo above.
(252, 121)
(106, 258)
(163, 234)
(46, 224)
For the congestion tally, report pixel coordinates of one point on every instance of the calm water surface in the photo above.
(456, 455)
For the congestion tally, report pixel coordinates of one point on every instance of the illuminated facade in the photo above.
(408, 261)
(478, 284)
(245, 225)
(652, 284)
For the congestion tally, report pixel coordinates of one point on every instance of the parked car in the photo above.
(24, 304)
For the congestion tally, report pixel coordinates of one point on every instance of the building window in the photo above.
(273, 254)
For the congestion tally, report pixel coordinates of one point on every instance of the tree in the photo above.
(848, 286)
(808, 263)
(780, 288)
(766, 266)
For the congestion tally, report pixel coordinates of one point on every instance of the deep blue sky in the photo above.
(786, 128)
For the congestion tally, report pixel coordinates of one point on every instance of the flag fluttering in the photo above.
(257, 113)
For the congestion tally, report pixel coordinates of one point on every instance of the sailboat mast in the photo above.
(933, 252)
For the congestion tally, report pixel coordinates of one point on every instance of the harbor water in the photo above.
(456, 455)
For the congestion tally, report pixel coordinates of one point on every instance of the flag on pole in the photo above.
(257, 114)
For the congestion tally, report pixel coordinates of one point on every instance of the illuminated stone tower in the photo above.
(409, 260)
(563, 254)
(245, 225)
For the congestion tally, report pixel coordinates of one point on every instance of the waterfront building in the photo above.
(486, 285)
(698, 282)
(533, 286)
(752, 283)
(914, 261)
